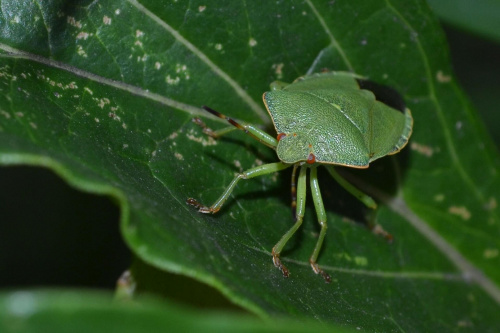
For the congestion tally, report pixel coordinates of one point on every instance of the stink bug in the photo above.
(328, 119)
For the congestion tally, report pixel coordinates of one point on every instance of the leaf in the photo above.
(104, 94)
(78, 311)
(480, 17)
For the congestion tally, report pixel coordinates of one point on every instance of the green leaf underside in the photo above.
(104, 93)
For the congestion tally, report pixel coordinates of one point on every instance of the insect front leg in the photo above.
(250, 173)
(320, 212)
(299, 216)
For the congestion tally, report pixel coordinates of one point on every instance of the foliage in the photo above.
(103, 93)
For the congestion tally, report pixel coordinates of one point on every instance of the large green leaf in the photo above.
(78, 311)
(479, 16)
(104, 93)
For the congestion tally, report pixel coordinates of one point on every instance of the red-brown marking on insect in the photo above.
(281, 136)
(294, 134)
(310, 145)
(311, 158)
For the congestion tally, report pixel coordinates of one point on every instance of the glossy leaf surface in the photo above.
(77, 311)
(104, 94)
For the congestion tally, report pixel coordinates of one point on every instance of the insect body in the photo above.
(328, 119)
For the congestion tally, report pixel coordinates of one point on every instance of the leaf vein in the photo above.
(216, 69)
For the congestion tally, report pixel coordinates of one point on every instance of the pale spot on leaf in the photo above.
(5, 114)
(83, 35)
(81, 52)
(442, 78)
(205, 140)
(491, 204)
(439, 197)
(71, 20)
(103, 102)
(422, 149)
(490, 253)
(461, 211)
(360, 261)
(278, 70)
(172, 81)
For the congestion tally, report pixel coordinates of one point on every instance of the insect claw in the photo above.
(193, 202)
(318, 270)
(378, 230)
(207, 210)
(277, 262)
(326, 276)
(200, 207)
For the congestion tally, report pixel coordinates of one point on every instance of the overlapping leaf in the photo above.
(104, 93)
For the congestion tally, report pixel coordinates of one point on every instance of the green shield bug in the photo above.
(328, 119)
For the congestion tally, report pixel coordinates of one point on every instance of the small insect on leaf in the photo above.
(324, 119)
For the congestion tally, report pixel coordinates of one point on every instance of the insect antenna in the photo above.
(248, 129)
(223, 116)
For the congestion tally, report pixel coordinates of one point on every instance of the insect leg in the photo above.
(294, 191)
(320, 212)
(210, 132)
(250, 173)
(367, 200)
(251, 130)
(299, 216)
